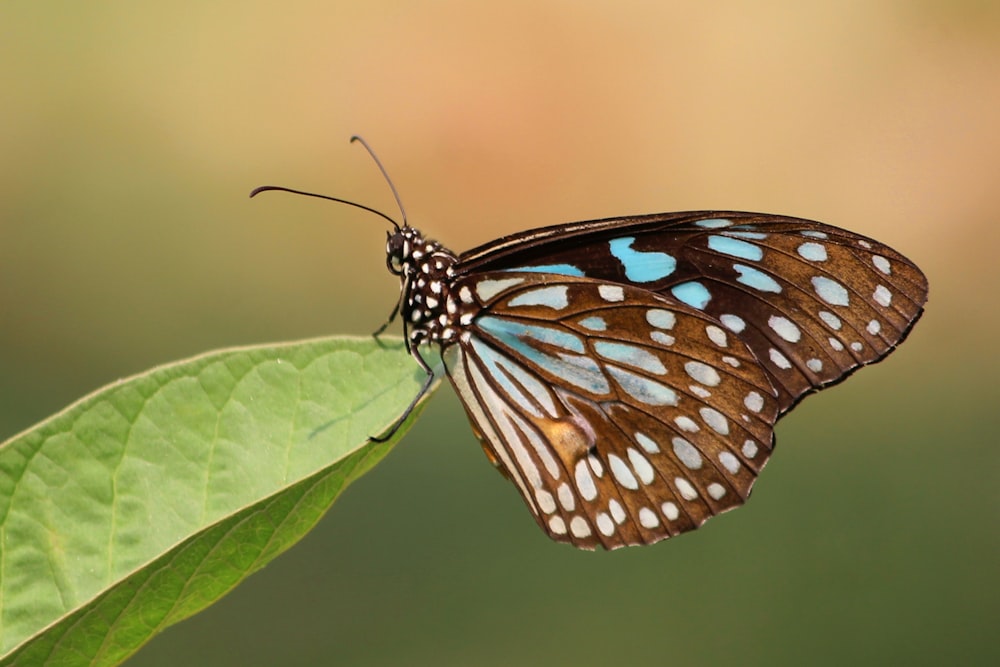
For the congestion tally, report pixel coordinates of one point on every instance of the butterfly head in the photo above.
(399, 248)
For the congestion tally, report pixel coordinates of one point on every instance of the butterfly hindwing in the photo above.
(622, 417)
(812, 301)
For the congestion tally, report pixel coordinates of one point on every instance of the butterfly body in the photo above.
(626, 374)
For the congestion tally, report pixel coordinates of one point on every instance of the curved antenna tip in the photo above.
(385, 175)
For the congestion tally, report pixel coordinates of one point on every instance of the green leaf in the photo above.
(148, 500)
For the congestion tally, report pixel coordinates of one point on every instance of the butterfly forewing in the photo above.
(813, 302)
(622, 417)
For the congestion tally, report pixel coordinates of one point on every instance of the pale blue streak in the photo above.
(756, 279)
(641, 266)
(693, 294)
(831, 291)
(736, 248)
(496, 369)
(813, 251)
(630, 355)
(753, 236)
(643, 389)
(594, 323)
(554, 296)
(509, 329)
(578, 370)
(501, 368)
(560, 269)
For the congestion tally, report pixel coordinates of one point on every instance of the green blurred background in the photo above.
(131, 133)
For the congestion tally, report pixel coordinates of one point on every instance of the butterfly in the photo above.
(626, 373)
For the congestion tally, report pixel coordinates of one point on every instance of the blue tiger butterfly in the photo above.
(626, 374)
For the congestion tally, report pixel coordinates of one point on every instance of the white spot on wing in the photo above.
(648, 519)
(714, 223)
(882, 264)
(814, 252)
(699, 391)
(545, 501)
(566, 498)
(553, 296)
(487, 289)
(661, 338)
(642, 467)
(702, 373)
(622, 472)
(734, 323)
(717, 335)
(611, 293)
(779, 360)
(830, 319)
(785, 328)
(617, 512)
(882, 296)
(579, 527)
(584, 482)
(686, 453)
(661, 319)
(830, 291)
(605, 524)
(595, 465)
(729, 462)
(647, 443)
(684, 487)
(686, 424)
(715, 420)
(754, 402)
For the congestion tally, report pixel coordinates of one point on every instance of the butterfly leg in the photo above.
(428, 380)
(391, 319)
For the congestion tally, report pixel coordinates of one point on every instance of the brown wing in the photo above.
(812, 301)
(622, 418)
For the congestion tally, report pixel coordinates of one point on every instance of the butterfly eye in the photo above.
(396, 248)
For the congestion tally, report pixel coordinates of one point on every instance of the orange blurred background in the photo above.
(131, 134)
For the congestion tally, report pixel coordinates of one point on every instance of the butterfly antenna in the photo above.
(265, 188)
(385, 175)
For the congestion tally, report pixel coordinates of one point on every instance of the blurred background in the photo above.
(131, 134)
